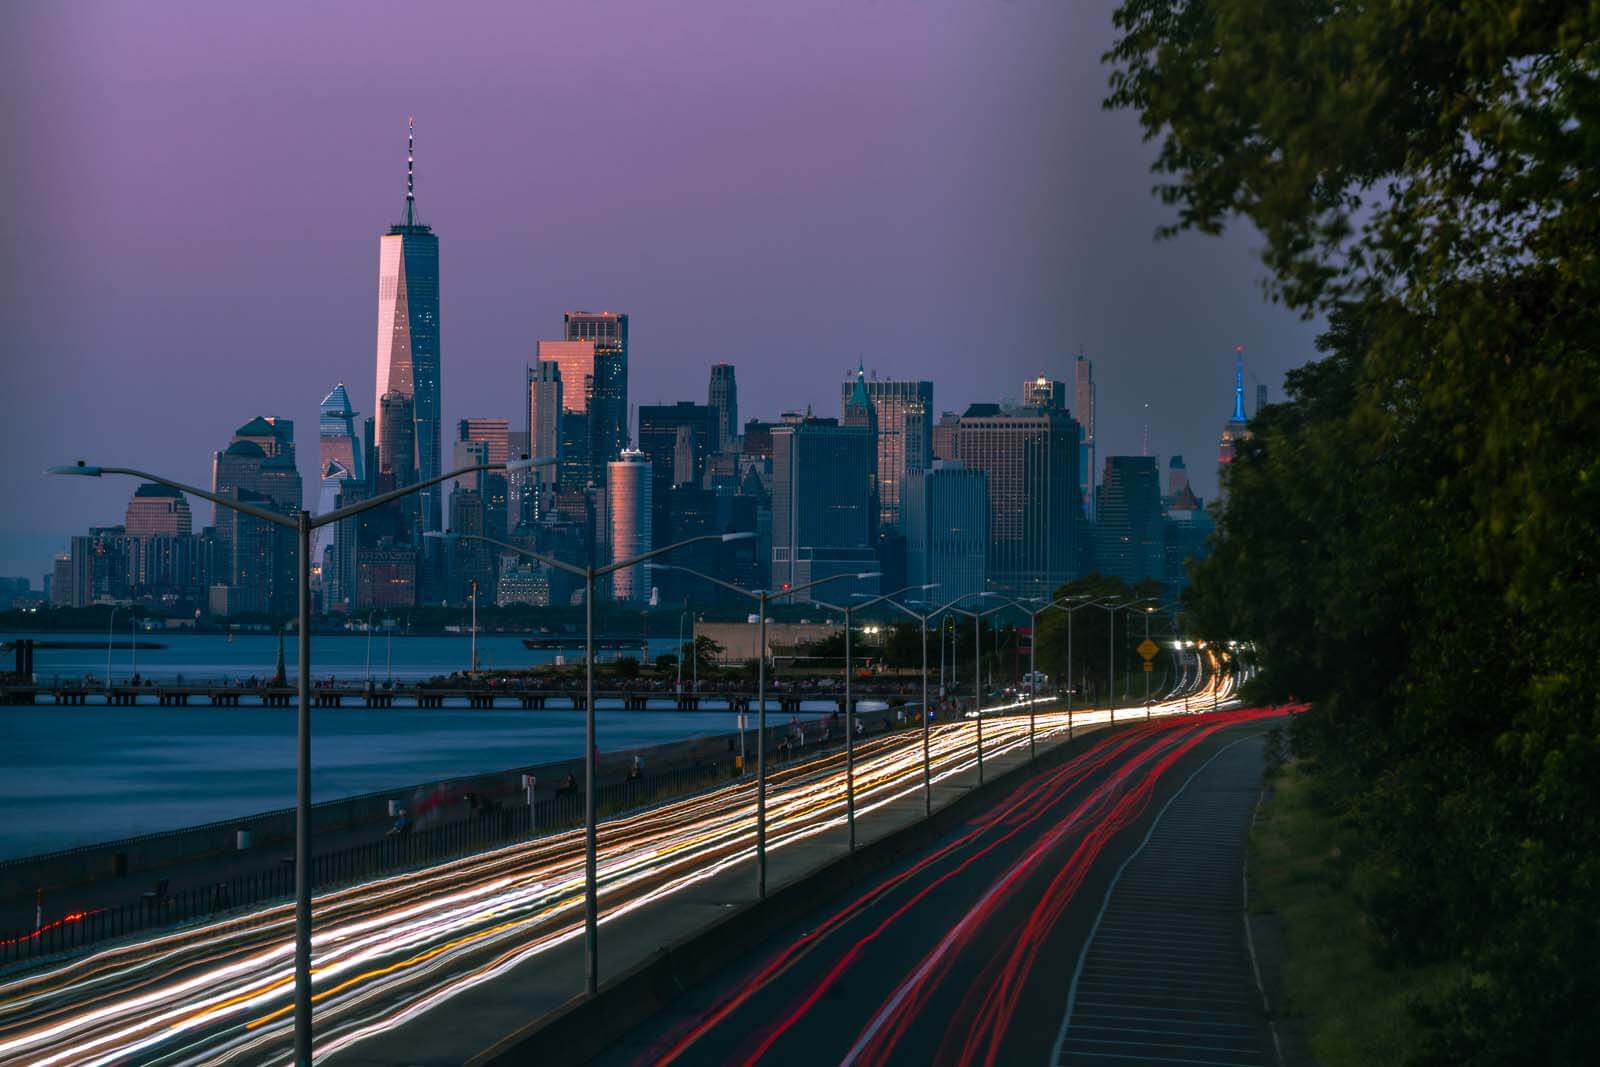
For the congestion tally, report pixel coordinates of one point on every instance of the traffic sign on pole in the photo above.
(1148, 649)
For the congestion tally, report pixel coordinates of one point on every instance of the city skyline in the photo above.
(790, 336)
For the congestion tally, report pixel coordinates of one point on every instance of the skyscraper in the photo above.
(1187, 530)
(408, 345)
(659, 427)
(608, 403)
(275, 435)
(544, 416)
(1042, 392)
(336, 431)
(1083, 411)
(856, 410)
(341, 462)
(902, 413)
(944, 436)
(1130, 542)
(1237, 426)
(1030, 459)
(677, 441)
(823, 507)
(723, 398)
(469, 453)
(947, 529)
(396, 441)
(236, 467)
(629, 508)
(575, 365)
(1177, 476)
(158, 510)
(492, 432)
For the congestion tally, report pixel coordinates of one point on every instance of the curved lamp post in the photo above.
(302, 523)
(591, 916)
(762, 597)
(1111, 606)
(977, 654)
(927, 774)
(850, 711)
(1149, 611)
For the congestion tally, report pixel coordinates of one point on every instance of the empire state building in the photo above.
(408, 352)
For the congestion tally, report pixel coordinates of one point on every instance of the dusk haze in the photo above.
(877, 532)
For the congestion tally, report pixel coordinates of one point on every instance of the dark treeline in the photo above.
(1412, 539)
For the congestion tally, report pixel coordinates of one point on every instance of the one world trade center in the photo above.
(408, 353)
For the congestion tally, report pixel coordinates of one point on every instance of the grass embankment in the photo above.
(1351, 1010)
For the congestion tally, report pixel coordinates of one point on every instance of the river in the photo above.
(73, 776)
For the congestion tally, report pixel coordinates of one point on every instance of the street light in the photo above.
(109, 624)
(927, 774)
(1033, 660)
(474, 670)
(591, 918)
(303, 523)
(1112, 607)
(1060, 603)
(1148, 611)
(761, 596)
(849, 710)
(977, 656)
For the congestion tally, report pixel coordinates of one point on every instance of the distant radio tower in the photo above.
(1144, 449)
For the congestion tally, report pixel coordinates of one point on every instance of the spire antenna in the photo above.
(411, 181)
(1238, 384)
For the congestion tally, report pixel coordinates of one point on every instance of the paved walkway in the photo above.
(1167, 976)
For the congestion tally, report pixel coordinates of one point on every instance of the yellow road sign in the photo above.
(1148, 649)
(1148, 666)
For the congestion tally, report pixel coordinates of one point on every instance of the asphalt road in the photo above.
(965, 954)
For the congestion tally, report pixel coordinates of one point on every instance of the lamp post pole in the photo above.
(849, 739)
(850, 713)
(591, 895)
(110, 623)
(977, 671)
(591, 872)
(302, 522)
(474, 670)
(927, 773)
(1148, 611)
(681, 615)
(302, 804)
(1147, 670)
(762, 597)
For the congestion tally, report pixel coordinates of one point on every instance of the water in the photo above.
(73, 776)
(347, 657)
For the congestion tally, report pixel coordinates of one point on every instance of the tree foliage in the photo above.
(1412, 538)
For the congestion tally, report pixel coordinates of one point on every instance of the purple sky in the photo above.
(195, 196)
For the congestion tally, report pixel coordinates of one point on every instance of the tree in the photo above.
(704, 650)
(1411, 539)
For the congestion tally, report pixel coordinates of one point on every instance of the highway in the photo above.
(965, 953)
(391, 950)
